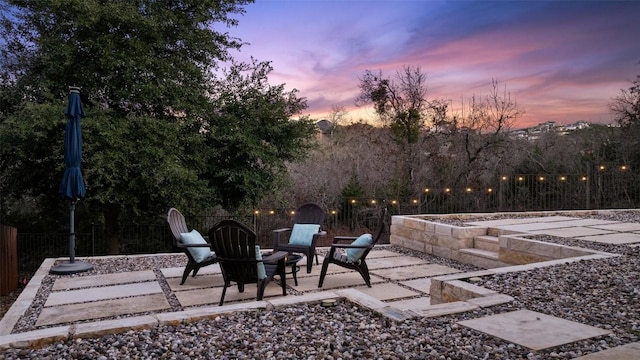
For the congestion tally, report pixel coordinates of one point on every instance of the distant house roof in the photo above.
(325, 126)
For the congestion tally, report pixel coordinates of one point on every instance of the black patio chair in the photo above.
(353, 256)
(241, 261)
(304, 234)
(196, 248)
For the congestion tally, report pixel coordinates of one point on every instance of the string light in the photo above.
(541, 178)
(584, 178)
(504, 178)
(427, 190)
(293, 212)
(393, 202)
(373, 202)
(563, 178)
(489, 190)
(447, 190)
(520, 178)
(415, 201)
(623, 167)
(272, 212)
(601, 167)
(333, 212)
(468, 190)
(353, 201)
(256, 212)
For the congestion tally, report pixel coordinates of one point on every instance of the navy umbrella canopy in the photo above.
(72, 185)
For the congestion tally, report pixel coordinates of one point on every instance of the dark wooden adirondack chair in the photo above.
(241, 261)
(356, 251)
(307, 214)
(198, 252)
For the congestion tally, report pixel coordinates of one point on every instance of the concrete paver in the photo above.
(423, 285)
(617, 238)
(392, 262)
(102, 293)
(623, 227)
(525, 220)
(387, 291)
(572, 231)
(412, 272)
(103, 279)
(532, 329)
(101, 309)
(624, 352)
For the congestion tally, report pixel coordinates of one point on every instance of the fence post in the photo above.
(8, 259)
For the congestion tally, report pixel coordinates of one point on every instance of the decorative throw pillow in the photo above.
(302, 234)
(194, 238)
(262, 273)
(353, 255)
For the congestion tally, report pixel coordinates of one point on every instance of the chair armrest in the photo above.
(184, 246)
(275, 257)
(282, 230)
(350, 246)
(336, 239)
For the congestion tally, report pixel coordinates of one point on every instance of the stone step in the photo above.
(485, 259)
(486, 242)
(492, 231)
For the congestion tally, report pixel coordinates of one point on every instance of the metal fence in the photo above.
(605, 188)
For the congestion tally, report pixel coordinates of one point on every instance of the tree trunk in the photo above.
(112, 229)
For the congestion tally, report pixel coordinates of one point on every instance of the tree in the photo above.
(626, 106)
(161, 128)
(401, 104)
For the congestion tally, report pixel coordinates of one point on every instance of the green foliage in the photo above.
(254, 135)
(161, 129)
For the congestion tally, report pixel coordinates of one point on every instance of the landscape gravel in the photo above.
(601, 293)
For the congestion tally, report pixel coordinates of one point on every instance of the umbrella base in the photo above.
(70, 268)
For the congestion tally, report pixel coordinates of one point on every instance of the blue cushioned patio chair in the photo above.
(353, 256)
(240, 259)
(304, 234)
(196, 248)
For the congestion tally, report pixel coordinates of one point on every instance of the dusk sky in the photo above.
(561, 60)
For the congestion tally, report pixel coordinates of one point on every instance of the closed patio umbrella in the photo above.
(72, 185)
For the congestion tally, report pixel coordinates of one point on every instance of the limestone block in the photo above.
(444, 252)
(416, 224)
(444, 229)
(414, 245)
(468, 232)
(520, 258)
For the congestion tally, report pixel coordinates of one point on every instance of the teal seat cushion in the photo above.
(302, 234)
(194, 238)
(262, 273)
(353, 255)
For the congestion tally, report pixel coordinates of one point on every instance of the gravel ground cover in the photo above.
(602, 293)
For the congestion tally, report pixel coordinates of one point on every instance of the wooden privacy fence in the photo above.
(8, 259)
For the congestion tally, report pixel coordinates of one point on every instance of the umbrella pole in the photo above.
(72, 233)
